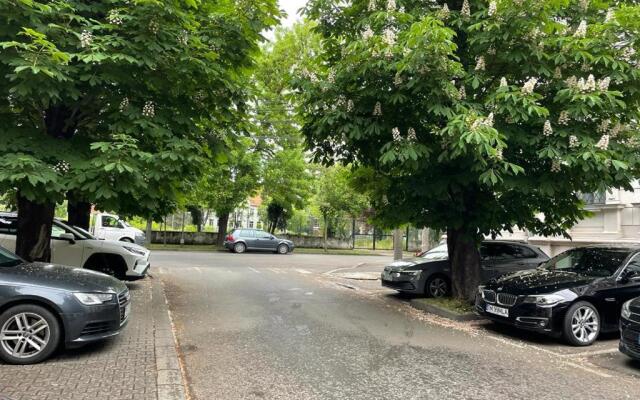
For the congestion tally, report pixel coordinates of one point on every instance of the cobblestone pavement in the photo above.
(124, 367)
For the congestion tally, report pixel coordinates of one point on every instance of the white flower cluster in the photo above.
(499, 154)
(114, 18)
(389, 37)
(482, 122)
(603, 143)
(372, 5)
(556, 166)
(480, 64)
(411, 135)
(349, 105)
(604, 126)
(615, 131)
(557, 74)
(573, 142)
(563, 119)
(395, 133)
(584, 5)
(581, 31)
(610, 17)
(183, 38)
(385, 200)
(465, 11)
(444, 11)
(86, 38)
(154, 26)
(462, 93)
(397, 80)
(529, 86)
(149, 109)
(503, 82)
(11, 102)
(603, 84)
(547, 130)
(124, 104)
(331, 78)
(491, 51)
(588, 85)
(61, 167)
(493, 7)
(367, 34)
(391, 5)
(377, 109)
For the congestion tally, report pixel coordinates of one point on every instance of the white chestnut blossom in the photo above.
(411, 135)
(615, 131)
(603, 143)
(584, 5)
(610, 17)
(148, 110)
(590, 85)
(462, 93)
(397, 80)
(114, 18)
(503, 82)
(603, 127)
(331, 78)
(499, 154)
(581, 31)
(377, 109)
(493, 6)
(465, 11)
(480, 64)
(563, 119)
(556, 166)
(444, 11)
(86, 38)
(124, 104)
(183, 38)
(573, 142)
(385, 200)
(557, 74)
(389, 37)
(349, 105)
(547, 130)
(61, 167)
(529, 86)
(372, 5)
(571, 82)
(154, 26)
(391, 5)
(395, 133)
(367, 34)
(603, 84)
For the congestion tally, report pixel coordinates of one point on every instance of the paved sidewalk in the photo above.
(139, 364)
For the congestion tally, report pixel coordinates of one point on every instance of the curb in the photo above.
(421, 304)
(170, 381)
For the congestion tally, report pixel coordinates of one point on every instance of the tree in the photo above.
(336, 197)
(475, 117)
(117, 104)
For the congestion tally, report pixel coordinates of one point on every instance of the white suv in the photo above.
(78, 248)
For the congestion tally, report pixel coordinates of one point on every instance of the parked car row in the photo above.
(576, 295)
(76, 299)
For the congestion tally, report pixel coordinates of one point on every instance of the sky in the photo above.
(291, 7)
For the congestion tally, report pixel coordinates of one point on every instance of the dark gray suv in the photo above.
(241, 240)
(430, 273)
(45, 305)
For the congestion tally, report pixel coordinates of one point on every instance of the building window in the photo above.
(591, 199)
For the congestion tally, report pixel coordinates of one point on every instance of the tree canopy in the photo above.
(476, 117)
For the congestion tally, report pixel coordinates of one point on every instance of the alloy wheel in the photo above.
(584, 324)
(283, 249)
(438, 287)
(25, 335)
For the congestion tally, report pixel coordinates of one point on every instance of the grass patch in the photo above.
(451, 304)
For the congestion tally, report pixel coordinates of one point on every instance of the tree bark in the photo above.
(397, 244)
(78, 212)
(464, 257)
(223, 222)
(326, 231)
(149, 231)
(33, 242)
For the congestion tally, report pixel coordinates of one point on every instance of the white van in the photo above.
(111, 227)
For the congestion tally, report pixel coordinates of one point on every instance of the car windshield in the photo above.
(84, 233)
(8, 259)
(588, 261)
(437, 253)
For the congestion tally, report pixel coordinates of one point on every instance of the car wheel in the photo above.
(283, 249)
(437, 286)
(581, 324)
(126, 240)
(239, 248)
(28, 334)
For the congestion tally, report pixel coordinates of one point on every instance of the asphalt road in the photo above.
(263, 326)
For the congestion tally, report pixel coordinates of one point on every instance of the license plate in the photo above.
(503, 312)
(127, 310)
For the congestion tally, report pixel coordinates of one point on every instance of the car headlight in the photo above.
(481, 290)
(626, 310)
(544, 300)
(410, 273)
(134, 250)
(92, 299)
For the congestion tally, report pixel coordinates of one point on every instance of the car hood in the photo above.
(117, 245)
(539, 281)
(412, 264)
(61, 277)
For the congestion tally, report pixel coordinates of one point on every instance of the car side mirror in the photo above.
(272, 237)
(68, 237)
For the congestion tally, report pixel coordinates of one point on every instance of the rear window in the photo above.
(247, 233)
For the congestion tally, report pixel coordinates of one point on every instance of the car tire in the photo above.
(239, 248)
(437, 286)
(12, 321)
(582, 323)
(283, 249)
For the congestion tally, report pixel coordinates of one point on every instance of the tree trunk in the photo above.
(223, 221)
(33, 242)
(78, 212)
(397, 244)
(326, 230)
(464, 257)
(149, 231)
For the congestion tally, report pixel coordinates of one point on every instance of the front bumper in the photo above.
(528, 316)
(403, 286)
(140, 268)
(630, 338)
(98, 322)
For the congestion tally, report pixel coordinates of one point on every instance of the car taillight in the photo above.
(229, 238)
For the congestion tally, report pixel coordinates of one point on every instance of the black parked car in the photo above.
(630, 328)
(241, 240)
(430, 273)
(44, 305)
(578, 293)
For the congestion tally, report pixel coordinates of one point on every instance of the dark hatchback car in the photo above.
(630, 329)
(577, 294)
(430, 273)
(241, 240)
(43, 306)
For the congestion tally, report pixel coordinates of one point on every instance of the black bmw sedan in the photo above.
(43, 306)
(577, 294)
(630, 328)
